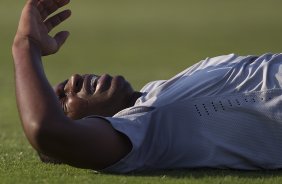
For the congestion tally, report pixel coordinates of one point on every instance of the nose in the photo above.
(74, 84)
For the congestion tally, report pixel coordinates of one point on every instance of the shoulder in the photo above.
(152, 85)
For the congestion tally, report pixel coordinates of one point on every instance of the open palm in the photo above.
(35, 24)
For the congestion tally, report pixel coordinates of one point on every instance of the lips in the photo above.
(104, 83)
(93, 83)
(90, 83)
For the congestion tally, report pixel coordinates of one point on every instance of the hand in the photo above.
(35, 24)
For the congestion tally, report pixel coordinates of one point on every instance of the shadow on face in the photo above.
(89, 94)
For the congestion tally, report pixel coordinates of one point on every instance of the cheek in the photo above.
(76, 107)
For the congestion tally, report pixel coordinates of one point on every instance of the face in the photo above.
(84, 95)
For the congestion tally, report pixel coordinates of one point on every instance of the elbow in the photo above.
(46, 138)
(39, 134)
(32, 131)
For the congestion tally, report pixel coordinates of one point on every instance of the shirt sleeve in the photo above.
(133, 123)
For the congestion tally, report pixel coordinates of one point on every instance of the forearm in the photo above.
(37, 103)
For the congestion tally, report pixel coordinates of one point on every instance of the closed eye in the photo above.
(63, 104)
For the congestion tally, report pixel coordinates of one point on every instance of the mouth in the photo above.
(104, 82)
(90, 83)
(93, 83)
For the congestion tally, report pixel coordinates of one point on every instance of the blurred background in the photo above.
(143, 40)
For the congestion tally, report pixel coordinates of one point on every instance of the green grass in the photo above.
(142, 40)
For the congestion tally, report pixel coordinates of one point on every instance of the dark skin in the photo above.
(86, 143)
(111, 95)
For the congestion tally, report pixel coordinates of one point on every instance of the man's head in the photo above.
(84, 95)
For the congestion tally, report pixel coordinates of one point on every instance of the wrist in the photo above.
(23, 44)
(25, 51)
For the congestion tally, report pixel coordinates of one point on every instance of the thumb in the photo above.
(61, 37)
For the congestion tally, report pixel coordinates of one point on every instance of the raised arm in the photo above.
(88, 143)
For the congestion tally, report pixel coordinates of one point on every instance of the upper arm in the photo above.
(87, 143)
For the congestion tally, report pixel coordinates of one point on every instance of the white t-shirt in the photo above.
(223, 112)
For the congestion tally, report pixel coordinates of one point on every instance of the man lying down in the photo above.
(223, 112)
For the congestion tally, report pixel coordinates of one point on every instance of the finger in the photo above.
(47, 7)
(62, 3)
(61, 38)
(40, 8)
(54, 21)
(33, 2)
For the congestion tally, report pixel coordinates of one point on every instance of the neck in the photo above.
(134, 97)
